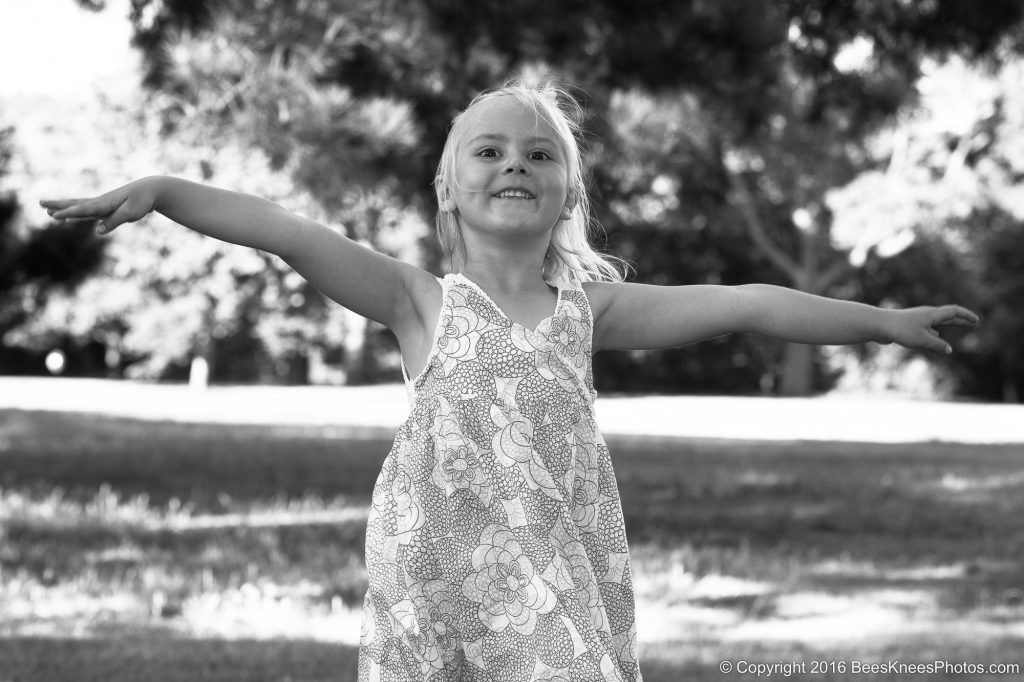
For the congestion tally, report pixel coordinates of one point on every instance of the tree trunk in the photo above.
(798, 370)
(353, 360)
(806, 272)
(201, 367)
(1010, 394)
(320, 372)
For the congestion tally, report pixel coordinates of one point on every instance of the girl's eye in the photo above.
(540, 155)
(488, 152)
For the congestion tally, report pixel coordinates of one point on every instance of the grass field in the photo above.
(141, 550)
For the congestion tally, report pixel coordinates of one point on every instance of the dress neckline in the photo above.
(479, 290)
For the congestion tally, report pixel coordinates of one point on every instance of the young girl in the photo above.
(495, 546)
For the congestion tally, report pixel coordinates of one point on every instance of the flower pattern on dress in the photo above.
(459, 465)
(505, 585)
(566, 335)
(408, 511)
(434, 637)
(584, 587)
(460, 325)
(584, 497)
(513, 446)
(495, 546)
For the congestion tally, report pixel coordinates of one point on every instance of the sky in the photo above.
(55, 47)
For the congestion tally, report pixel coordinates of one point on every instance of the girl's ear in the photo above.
(445, 200)
(570, 204)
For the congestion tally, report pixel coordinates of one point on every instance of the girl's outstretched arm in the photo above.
(637, 316)
(367, 282)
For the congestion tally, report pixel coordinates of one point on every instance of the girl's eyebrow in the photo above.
(503, 138)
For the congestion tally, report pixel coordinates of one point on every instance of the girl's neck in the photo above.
(505, 270)
(505, 278)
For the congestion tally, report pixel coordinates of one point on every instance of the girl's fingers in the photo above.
(935, 343)
(55, 206)
(58, 204)
(111, 221)
(83, 211)
(963, 315)
(955, 315)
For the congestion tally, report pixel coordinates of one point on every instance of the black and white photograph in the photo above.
(511, 341)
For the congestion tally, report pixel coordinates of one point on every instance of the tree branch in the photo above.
(756, 229)
(839, 269)
(958, 158)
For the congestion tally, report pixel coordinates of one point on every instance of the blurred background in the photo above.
(869, 150)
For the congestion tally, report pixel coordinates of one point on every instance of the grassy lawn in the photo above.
(137, 550)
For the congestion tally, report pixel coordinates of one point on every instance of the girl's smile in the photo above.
(514, 193)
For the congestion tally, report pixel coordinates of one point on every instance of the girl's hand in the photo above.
(916, 327)
(123, 205)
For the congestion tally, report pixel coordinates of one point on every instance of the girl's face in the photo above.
(511, 175)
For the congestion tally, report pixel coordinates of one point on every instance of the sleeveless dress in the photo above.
(495, 546)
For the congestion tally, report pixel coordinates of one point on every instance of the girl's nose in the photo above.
(515, 166)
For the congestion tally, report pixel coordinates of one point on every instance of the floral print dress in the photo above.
(495, 546)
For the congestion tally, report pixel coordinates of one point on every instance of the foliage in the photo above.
(730, 142)
(37, 263)
(994, 366)
(162, 293)
(947, 195)
(729, 115)
(252, 117)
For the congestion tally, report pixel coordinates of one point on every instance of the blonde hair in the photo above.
(569, 257)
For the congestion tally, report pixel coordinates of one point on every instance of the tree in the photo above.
(260, 80)
(257, 122)
(777, 101)
(845, 71)
(164, 295)
(36, 261)
(947, 191)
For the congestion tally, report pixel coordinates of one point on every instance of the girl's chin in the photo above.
(502, 225)
(514, 206)
(524, 220)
